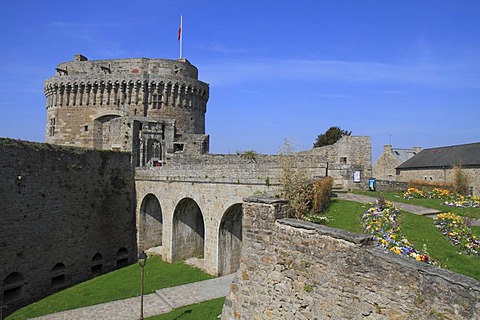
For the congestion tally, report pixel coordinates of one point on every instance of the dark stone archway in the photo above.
(230, 240)
(151, 223)
(188, 230)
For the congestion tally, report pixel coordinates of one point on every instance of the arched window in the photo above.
(13, 287)
(97, 263)
(58, 276)
(122, 257)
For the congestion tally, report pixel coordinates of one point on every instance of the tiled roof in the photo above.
(466, 155)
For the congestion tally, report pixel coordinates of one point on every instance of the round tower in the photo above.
(84, 96)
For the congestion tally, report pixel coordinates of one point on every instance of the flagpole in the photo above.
(180, 35)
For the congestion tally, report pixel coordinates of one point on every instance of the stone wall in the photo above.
(296, 270)
(66, 215)
(347, 155)
(387, 185)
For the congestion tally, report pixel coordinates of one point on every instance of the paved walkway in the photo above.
(162, 301)
(402, 206)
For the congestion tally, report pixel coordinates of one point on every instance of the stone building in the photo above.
(385, 166)
(150, 107)
(436, 165)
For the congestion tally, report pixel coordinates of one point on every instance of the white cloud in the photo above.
(224, 73)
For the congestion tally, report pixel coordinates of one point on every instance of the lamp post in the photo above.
(142, 260)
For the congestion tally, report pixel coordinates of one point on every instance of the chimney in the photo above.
(79, 57)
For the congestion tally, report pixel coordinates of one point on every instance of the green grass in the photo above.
(420, 230)
(120, 284)
(428, 203)
(346, 215)
(207, 310)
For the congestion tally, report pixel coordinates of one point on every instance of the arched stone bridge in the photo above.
(193, 217)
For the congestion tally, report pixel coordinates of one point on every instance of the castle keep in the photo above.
(149, 107)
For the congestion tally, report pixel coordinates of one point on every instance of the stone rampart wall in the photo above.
(66, 215)
(296, 270)
(387, 185)
(264, 169)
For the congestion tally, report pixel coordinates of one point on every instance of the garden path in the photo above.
(161, 301)
(402, 206)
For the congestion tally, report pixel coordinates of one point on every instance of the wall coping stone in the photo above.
(357, 239)
(264, 199)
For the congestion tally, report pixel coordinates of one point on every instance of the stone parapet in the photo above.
(298, 270)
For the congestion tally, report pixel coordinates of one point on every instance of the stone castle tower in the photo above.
(150, 107)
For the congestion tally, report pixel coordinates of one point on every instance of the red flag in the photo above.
(180, 32)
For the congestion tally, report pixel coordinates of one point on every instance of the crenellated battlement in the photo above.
(84, 96)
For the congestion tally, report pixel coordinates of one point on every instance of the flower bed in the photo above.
(463, 202)
(413, 193)
(381, 222)
(451, 199)
(454, 227)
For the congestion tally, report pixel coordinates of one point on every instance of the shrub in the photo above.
(460, 180)
(428, 186)
(295, 186)
(322, 190)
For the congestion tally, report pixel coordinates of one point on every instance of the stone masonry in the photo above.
(296, 270)
(67, 215)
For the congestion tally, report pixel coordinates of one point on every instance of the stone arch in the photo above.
(97, 263)
(58, 276)
(230, 240)
(12, 287)
(101, 134)
(122, 257)
(188, 238)
(151, 223)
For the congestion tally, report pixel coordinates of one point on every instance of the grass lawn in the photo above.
(207, 310)
(428, 203)
(119, 284)
(419, 230)
(346, 215)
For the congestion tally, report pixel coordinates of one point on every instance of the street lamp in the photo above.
(142, 261)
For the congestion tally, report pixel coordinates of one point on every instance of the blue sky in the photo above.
(401, 72)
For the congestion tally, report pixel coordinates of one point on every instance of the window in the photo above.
(85, 128)
(122, 257)
(97, 263)
(58, 276)
(52, 127)
(343, 160)
(157, 101)
(177, 147)
(13, 287)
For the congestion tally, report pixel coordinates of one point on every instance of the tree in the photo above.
(331, 136)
